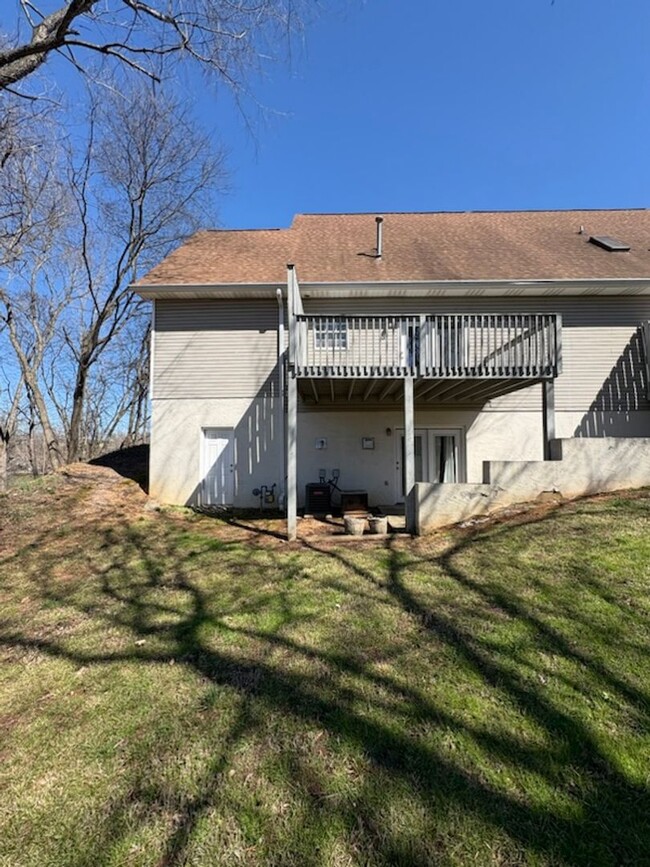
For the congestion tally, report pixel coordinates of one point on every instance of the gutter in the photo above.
(402, 288)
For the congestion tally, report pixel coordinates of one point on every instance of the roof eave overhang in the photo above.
(403, 288)
(207, 290)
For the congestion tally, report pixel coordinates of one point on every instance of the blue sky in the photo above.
(462, 105)
(441, 105)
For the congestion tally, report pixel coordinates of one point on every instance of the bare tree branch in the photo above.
(225, 37)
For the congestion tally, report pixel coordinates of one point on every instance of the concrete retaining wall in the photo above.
(579, 467)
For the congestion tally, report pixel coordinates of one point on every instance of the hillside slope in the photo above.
(179, 690)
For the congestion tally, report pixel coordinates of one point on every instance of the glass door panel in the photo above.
(445, 457)
(438, 458)
(421, 460)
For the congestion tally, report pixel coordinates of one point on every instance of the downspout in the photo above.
(152, 373)
(282, 498)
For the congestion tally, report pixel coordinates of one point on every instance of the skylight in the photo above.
(610, 244)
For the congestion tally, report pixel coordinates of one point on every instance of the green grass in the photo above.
(173, 692)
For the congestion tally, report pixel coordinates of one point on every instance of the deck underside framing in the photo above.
(315, 391)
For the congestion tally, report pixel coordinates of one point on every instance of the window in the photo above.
(610, 244)
(331, 334)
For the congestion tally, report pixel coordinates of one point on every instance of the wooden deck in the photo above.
(431, 358)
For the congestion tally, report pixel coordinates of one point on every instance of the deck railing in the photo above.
(362, 346)
(446, 346)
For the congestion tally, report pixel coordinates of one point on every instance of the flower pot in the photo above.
(354, 526)
(378, 526)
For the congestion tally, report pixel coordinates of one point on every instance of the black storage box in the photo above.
(318, 500)
(354, 502)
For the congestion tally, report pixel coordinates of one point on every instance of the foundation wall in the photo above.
(580, 467)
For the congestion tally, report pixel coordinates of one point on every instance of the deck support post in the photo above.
(293, 303)
(409, 456)
(548, 415)
(292, 457)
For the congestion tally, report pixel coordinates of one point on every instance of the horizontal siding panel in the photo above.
(580, 310)
(215, 349)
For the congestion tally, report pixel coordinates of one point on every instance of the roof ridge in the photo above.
(469, 211)
(257, 229)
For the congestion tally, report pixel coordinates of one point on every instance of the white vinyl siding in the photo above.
(215, 349)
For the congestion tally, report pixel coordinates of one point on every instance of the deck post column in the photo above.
(292, 456)
(548, 415)
(292, 410)
(409, 456)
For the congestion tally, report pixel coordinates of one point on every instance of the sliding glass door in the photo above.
(438, 457)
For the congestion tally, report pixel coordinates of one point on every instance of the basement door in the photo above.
(438, 457)
(217, 467)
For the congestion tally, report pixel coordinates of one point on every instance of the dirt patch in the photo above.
(60, 506)
(104, 493)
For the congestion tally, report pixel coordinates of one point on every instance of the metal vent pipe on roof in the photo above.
(380, 235)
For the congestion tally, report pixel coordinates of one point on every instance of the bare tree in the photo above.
(144, 180)
(34, 212)
(30, 314)
(11, 397)
(116, 411)
(225, 37)
(73, 239)
(30, 188)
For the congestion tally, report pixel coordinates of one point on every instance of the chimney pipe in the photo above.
(380, 235)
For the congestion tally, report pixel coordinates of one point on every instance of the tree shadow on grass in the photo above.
(254, 521)
(378, 717)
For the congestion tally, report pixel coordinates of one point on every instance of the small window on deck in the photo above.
(331, 334)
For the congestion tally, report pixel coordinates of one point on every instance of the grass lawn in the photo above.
(178, 691)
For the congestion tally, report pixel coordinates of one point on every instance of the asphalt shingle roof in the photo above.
(332, 248)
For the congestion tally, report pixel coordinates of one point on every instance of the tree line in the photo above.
(93, 194)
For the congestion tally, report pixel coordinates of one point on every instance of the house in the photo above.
(436, 360)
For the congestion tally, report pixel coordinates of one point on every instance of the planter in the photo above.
(378, 526)
(354, 526)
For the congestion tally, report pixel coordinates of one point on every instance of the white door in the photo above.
(438, 457)
(421, 460)
(217, 467)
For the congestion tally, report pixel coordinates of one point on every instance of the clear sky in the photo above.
(450, 105)
(441, 105)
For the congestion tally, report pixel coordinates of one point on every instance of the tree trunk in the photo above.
(76, 418)
(29, 380)
(3, 464)
(52, 444)
(31, 446)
